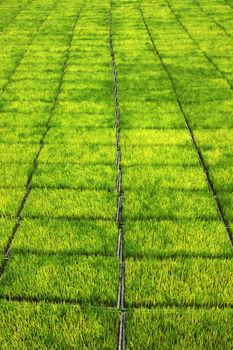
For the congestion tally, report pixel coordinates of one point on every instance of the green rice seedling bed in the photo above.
(82, 204)
(66, 236)
(62, 277)
(179, 329)
(164, 238)
(180, 281)
(75, 176)
(56, 326)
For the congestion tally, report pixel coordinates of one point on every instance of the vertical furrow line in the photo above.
(120, 225)
(191, 134)
(41, 146)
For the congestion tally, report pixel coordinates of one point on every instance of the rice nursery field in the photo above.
(116, 186)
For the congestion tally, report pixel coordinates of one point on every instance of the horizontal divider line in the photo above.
(129, 145)
(161, 165)
(203, 102)
(44, 187)
(77, 163)
(72, 189)
(110, 190)
(22, 100)
(78, 189)
(80, 99)
(28, 251)
(50, 100)
(168, 218)
(55, 300)
(184, 305)
(99, 127)
(69, 218)
(88, 128)
(184, 220)
(73, 126)
(128, 308)
(126, 218)
(140, 257)
(177, 256)
(83, 143)
(162, 189)
(73, 100)
(126, 166)
(187, 103)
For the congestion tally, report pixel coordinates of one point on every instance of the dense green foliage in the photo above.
(62, 276)
(58, 199)
(173, 238)
(66, 236)
(46, 326)
(182, 281)
(171, 328)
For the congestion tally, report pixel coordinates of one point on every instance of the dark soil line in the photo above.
(120, 247)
